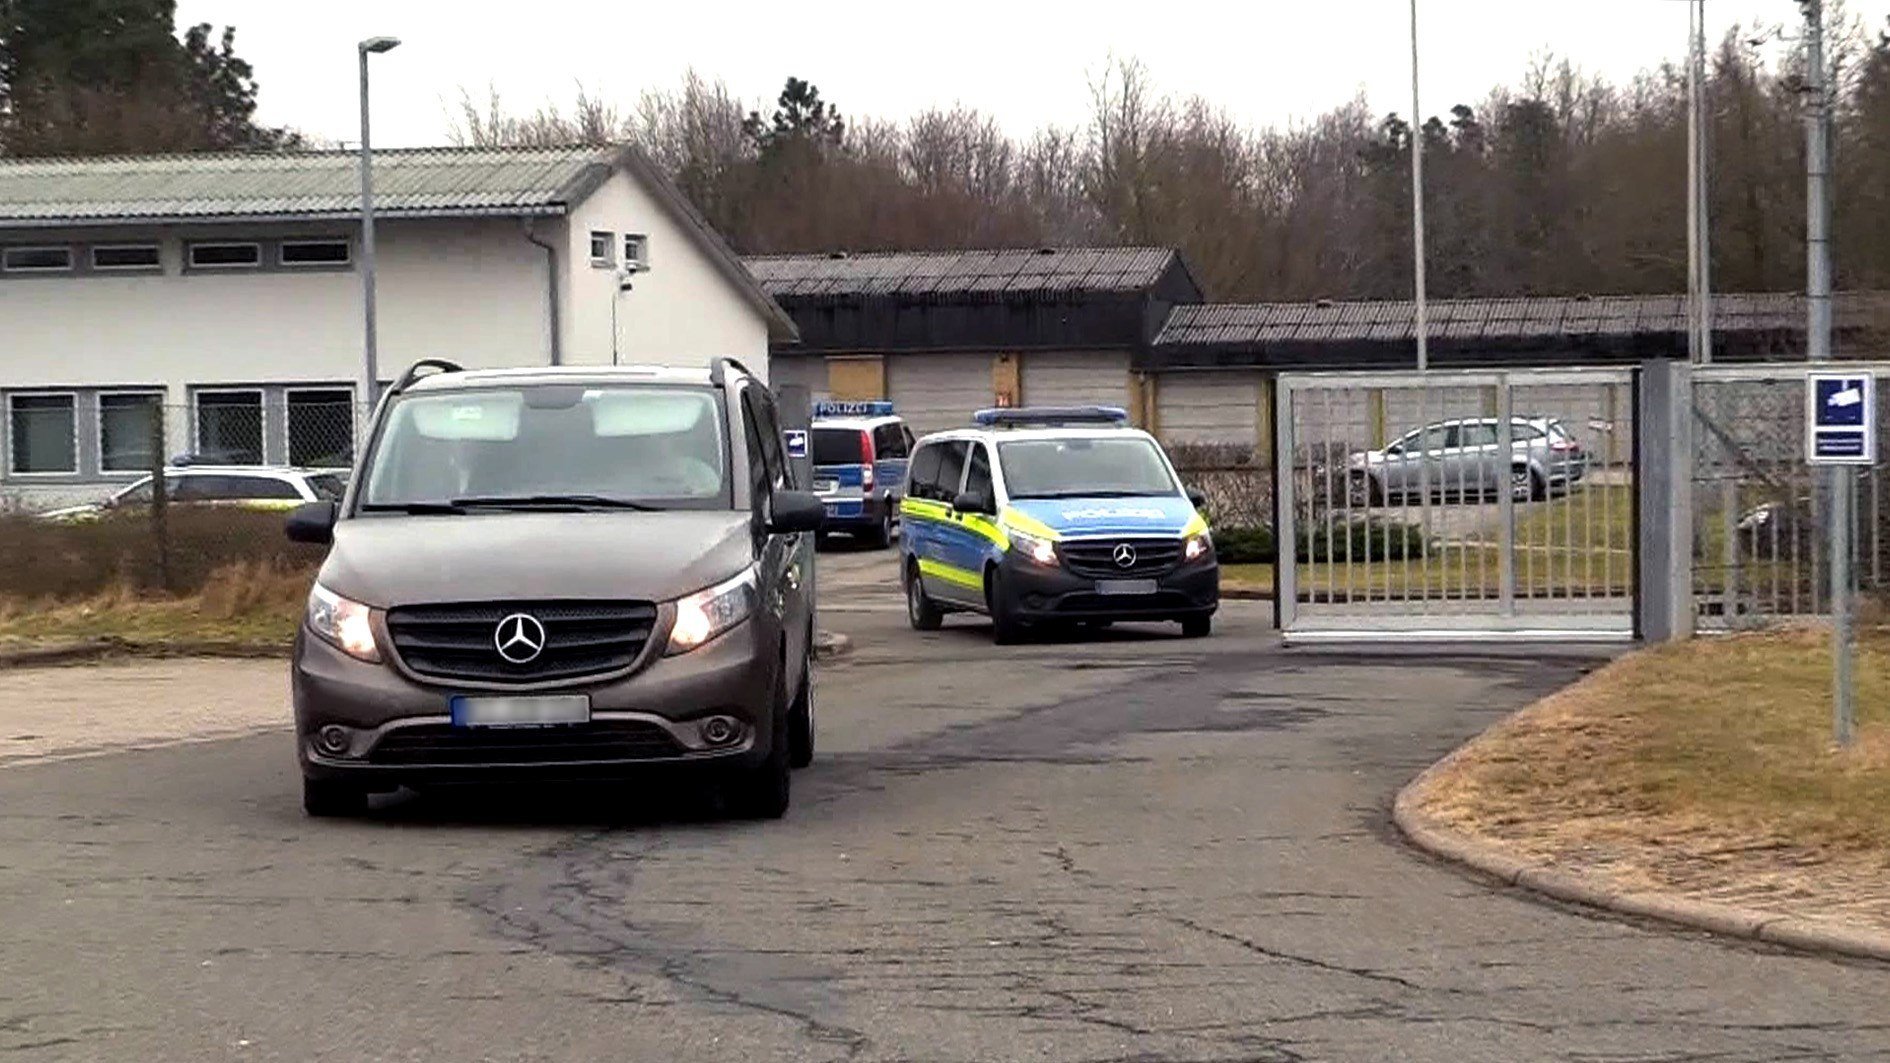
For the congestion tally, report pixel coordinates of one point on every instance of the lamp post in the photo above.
(1422, 324)
(370, 355)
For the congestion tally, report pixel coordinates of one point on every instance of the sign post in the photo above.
(1841, 430)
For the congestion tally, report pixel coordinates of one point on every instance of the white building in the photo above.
(226, 288)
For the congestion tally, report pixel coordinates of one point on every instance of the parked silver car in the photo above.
(1465, 457)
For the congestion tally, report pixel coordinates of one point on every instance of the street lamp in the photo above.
(1419, 295)
(370, 356)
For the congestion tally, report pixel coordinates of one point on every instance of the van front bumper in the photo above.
(1052, 593)
(400, 729)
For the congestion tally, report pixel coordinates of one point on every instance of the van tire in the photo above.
(1006, 628)
(763, 791)
(332, 799)
(881, 536)
(921, 611)
(800, 722)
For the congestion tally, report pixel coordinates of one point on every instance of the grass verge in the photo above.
(245, 603)
(1706, 769)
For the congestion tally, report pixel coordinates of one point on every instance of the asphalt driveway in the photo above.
(1134, 848)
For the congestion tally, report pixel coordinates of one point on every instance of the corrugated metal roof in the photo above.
(1472, 320)
(934, 274)
(212, 186)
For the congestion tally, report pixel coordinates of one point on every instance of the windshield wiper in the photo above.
(542, 501)
(417, 509)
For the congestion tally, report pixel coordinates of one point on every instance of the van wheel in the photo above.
(329, 799)
(1197, 627)
(801, 722)
(762, 792)
(1006, 628)
(923, 613)
(881, 536)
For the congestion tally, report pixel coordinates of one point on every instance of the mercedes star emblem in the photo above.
(1124, 555)
(520, 638)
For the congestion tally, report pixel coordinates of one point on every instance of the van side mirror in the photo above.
(796, 511)
(975, 502)
(1197, 497)
(312, 523)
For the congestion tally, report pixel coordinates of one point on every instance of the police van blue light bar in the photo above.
(1042, 416)
(853, 409)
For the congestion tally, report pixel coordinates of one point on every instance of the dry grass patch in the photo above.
(1706, 768)
(248, 602)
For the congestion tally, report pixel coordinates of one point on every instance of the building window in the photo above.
(225, 256)
(126, 257)
(230, 427)
(36, 260)
(636, 251)
(603, 249)
(42, 434)
(127, 430)
(315, 252)
(321, 428)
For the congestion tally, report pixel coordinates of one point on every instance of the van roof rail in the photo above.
(718, 369)
(413, 372)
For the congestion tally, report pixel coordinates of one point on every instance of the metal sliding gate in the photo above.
(1761, 526)
(1449, 504)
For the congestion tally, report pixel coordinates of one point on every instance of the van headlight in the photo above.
(1035, 547)
(1197, 547)
(707, 613)
(344, 623)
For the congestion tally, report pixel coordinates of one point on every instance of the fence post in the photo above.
(160, 501)
(1663, 475)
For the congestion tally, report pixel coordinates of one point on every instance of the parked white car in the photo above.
(247, 486)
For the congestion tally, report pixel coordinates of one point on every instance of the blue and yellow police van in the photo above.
(859, 453)
(1046, 517)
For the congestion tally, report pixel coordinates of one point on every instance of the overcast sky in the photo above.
(1025, 61)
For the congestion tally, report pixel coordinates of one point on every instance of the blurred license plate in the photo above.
(1125, 586)
(826, 487)
(521, 712)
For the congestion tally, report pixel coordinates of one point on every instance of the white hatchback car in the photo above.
(247, 486)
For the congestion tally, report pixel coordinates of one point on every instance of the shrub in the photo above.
(42, 559)
(1363, 539)
(1245, 546)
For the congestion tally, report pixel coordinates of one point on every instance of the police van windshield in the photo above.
(839, 446)
(1128, 467)
(616, 446)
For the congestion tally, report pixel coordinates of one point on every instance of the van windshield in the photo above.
(1081, 467)
(634, 446)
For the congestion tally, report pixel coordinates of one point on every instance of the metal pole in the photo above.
(370, 356)
(1693, 184)
(1704, 201)
(1417, 204)
(1838, 479)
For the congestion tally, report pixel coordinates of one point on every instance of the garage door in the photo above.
(934, 392)
(1213, 407)
(808, 372)
(1082, 378)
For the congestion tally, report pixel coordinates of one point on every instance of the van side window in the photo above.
(979, 479)
(951, 469)
(922, 481)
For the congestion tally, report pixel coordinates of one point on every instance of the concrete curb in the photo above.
(90, 651)
(831, 644)
(1428, 834)
(1247, 594)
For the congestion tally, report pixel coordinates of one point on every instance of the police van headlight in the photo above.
(709, 612)
(1197, 547)
(1035, 547)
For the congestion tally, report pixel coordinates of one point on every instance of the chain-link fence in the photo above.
(127, 492)
(1761, 523)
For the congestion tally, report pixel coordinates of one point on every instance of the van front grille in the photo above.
(572, 639)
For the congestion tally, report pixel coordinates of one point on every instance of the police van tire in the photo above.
(332, 799)
(923, 613)
(1197, 627)
(1006, 628)
(880, 537)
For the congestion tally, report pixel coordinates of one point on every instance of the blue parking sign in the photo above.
(1841, 419)
(796, 442)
